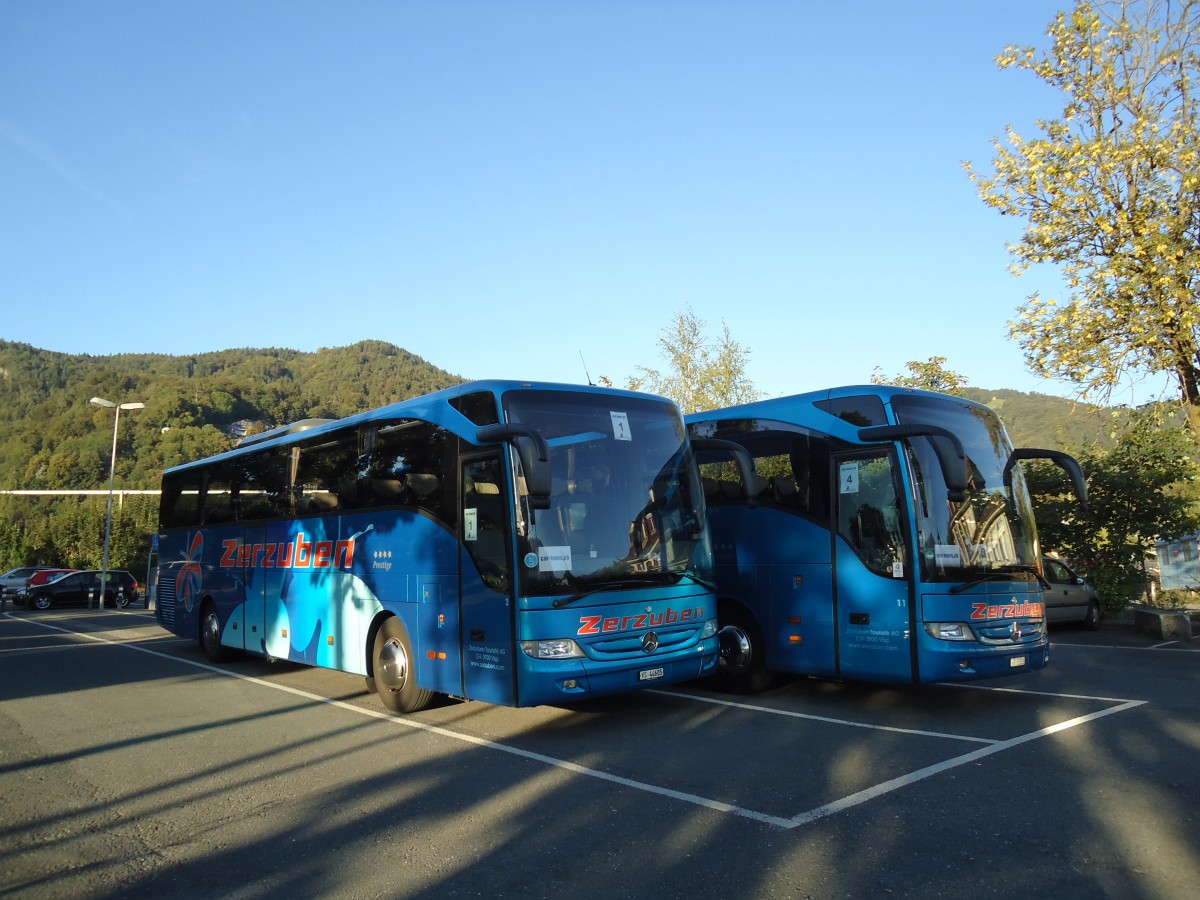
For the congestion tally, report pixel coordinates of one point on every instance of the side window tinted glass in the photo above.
(869, 513)
(479, 407)
(791, 462)
(485, 528)
(412, 464)
(179, 506)
(326, 475)
(260, 485)
(861, 411)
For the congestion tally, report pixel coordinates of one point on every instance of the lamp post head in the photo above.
(108, 404)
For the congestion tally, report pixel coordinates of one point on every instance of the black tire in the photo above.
(122, 601)
(394, 670)
(42, 601)
(742, 667)
(1092, 620)
(210, 634)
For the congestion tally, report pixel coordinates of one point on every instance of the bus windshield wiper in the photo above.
(604, 586)
(663, 578)
(696, 578)
(996, 576)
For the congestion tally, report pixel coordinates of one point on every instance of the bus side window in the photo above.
(868, 514)
(484, 525)
(262, 492)
(218, 498)
(323, 473)
(179, 506)
(410, 463)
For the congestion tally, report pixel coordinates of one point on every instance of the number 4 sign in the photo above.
(848, 477)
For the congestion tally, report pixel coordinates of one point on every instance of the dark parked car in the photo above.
(1069, 598)
(75, 587)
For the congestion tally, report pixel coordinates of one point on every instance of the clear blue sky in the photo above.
(502, 187)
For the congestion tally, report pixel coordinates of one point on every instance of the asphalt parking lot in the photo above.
(132, 766)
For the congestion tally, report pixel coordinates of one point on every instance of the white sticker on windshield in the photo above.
(947, 555)
(848, 477)
(554, 559)
(620, 423)
(470, 524)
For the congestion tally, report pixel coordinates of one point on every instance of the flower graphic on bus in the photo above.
(187, 582)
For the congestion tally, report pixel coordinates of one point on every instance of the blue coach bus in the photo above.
(887, 535)
(516, 543)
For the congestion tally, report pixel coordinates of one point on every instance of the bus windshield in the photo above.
(626, 505)
(992, 530)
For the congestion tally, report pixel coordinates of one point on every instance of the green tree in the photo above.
(1141, 489)
(931, 375)
(703, 374)
(1110, 192)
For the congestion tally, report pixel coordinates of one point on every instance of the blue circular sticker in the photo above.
(531, 560)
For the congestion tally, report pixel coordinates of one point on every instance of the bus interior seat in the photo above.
(387, 490)
(421, 484)
(723, 491)
(784, 487)
(318, 502)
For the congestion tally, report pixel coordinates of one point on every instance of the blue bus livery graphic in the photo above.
(886, 534)
(509, 542)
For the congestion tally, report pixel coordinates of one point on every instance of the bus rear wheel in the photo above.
(741, 666)
(394, 670)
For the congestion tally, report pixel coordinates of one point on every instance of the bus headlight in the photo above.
(709, 629)
(561, 648)
(950, 631)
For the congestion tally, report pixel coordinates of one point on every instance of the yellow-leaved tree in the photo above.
(1110, 192)
(703, 374)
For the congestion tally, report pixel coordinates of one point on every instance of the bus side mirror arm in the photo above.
(741, 458)
(954, 464)
(534, 453)
(1064, 461)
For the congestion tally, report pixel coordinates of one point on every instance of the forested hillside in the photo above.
(52, 438)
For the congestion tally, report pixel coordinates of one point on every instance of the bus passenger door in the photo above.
(486, 593)
(872, 570)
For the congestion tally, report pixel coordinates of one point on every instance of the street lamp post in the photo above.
(112, 473)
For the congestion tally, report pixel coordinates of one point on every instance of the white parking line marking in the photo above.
(715, 805)
(798, 715)
(803, 818)
(887, 786)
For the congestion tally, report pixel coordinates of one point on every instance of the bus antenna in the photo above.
(585, 371)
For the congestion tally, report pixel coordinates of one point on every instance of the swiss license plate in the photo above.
(650, 674)
(1016, 662)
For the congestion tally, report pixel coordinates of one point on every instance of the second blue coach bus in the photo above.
(516, 543)
(886, 536)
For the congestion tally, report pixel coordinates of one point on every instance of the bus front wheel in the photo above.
(741, 666)
(395, 671)
(210, 635)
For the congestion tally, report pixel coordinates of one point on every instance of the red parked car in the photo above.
(45, 576)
